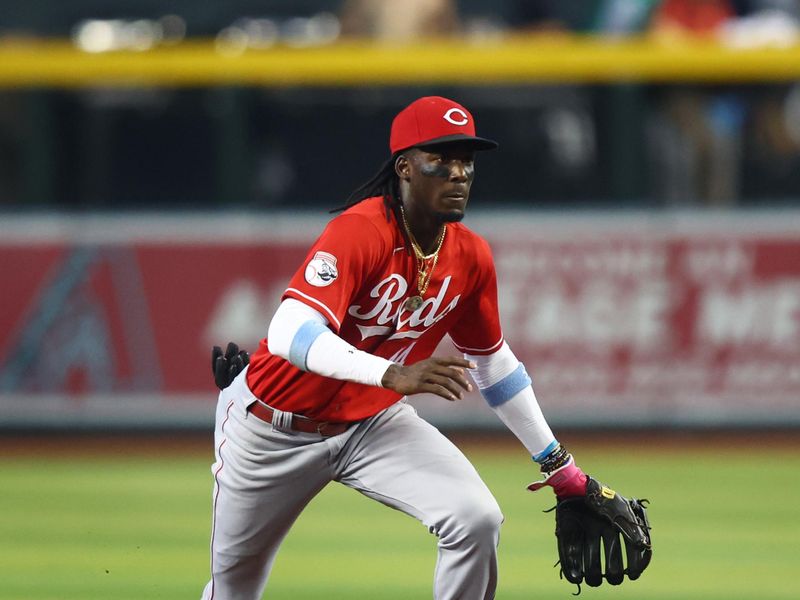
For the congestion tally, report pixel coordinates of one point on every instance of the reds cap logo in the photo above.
(431, 119)
(456, 116)
(321, 271)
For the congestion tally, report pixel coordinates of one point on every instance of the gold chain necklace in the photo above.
(424, 270)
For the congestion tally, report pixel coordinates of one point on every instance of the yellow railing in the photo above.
(515, 60)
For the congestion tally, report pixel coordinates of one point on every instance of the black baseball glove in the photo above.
(226, 367)
(581, 524)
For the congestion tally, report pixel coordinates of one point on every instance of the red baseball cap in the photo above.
(435, 120)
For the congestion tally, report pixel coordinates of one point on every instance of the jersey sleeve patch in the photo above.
(321, 270)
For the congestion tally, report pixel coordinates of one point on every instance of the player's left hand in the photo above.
(600, 513)
(225, 367)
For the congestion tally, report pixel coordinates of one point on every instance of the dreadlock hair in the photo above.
(384, 183)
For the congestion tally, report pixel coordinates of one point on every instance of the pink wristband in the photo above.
(566, 481)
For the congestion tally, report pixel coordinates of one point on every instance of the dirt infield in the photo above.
(54, 445)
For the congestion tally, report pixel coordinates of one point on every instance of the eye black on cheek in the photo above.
(435, 170)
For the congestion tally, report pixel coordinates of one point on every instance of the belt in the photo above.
(299, 423)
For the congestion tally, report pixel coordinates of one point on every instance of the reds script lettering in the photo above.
(387, 310)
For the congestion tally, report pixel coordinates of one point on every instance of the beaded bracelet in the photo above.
(555, 460)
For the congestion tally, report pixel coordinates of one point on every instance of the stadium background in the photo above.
(163, 167)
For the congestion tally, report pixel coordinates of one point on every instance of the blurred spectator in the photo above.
(774, 144)
(763, 23)
(585, 134)
(697, 134)
(552, 15)
(691, 17)
(712, 145)
(695, 139)
(390, 20)
(584, 16)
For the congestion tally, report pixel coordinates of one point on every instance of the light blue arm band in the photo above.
(508, 387)
(546, 452)
(301, 343)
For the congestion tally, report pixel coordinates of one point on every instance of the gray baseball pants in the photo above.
(263, 478)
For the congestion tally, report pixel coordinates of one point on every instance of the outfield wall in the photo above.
(668, 319)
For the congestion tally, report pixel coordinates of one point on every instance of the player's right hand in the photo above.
(444, 377)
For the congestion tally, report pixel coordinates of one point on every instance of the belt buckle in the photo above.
(321, 427)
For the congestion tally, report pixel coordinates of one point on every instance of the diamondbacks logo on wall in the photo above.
(321, 270)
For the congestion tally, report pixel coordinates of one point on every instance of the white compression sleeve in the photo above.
(508, 391)
(331, 356)
(287, 320)
(299, 334)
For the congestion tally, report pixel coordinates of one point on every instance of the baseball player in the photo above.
(321, 399)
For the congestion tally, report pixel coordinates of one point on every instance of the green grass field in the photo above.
(726, 525)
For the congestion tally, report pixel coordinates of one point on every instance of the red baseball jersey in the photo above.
(358, 274)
